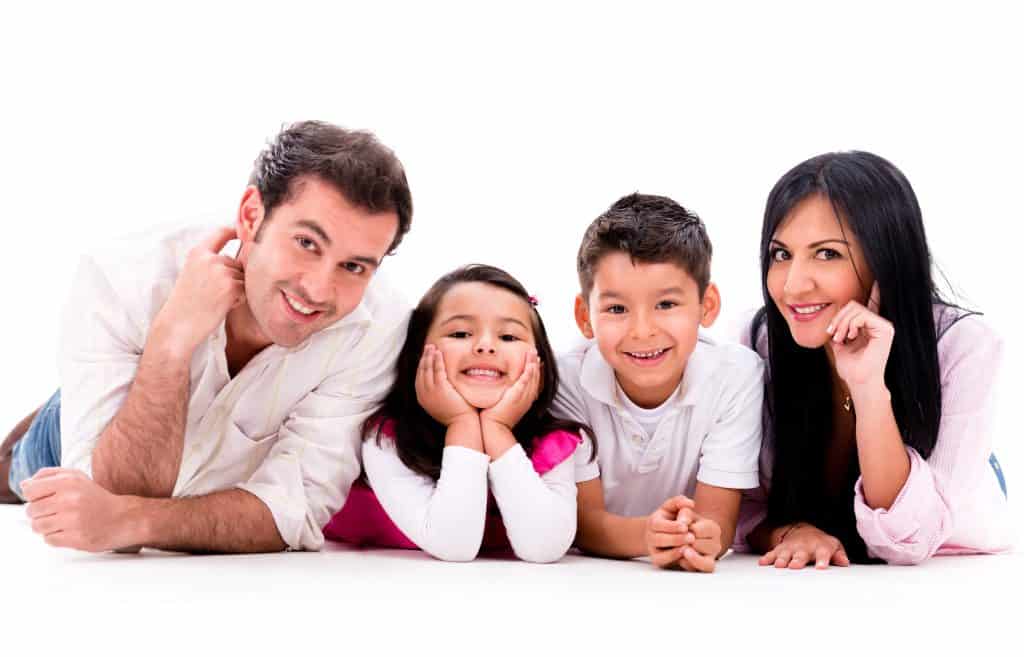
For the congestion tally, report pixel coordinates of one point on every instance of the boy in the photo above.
(676, 417)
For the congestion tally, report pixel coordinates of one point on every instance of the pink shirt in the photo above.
(951, 503)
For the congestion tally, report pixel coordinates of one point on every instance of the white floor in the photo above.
(342, 599)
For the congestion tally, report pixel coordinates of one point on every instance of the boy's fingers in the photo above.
(839, 558)
(675, 504)
(699, 561)
(706, 528)
(708, 546)
(666, 558)
(666, 525)
(662, 540)
(767, 558)
(799, 560)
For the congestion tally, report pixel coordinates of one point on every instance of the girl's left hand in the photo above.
(518, 397)
(861, 340)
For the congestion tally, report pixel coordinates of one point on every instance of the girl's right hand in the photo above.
(803, 542)
(435, 393)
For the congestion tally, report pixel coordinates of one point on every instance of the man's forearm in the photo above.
(230, 521)
(609, 535)
(139, 452)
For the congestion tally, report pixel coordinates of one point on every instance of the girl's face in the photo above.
(484, 333)
(817, 266)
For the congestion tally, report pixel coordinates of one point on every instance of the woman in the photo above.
(878, 406)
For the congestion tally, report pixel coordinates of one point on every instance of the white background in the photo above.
(517, 125)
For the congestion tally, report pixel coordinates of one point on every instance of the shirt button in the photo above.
(638, 439)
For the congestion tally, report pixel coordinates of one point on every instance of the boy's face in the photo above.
(645, 318)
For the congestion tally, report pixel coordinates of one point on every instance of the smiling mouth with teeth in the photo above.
(808, 310)
(297, 306)
(483, 373)
(646, 355)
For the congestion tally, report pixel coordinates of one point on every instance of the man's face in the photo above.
(308, 263)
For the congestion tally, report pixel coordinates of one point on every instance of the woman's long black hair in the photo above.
(880, 208)
(419, 438)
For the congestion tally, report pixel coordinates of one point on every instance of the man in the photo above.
(215, 404)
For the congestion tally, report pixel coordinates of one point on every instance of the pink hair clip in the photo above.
(533, 300)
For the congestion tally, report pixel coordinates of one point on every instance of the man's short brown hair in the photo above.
(649, 229)
(366, 172)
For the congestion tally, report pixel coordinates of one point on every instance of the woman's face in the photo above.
(817, 266)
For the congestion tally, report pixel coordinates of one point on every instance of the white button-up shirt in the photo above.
(286, 428)
(710, 432)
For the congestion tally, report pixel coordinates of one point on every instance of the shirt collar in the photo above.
(598, 378)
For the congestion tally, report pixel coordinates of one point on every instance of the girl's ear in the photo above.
(582, 313)
(711, 305)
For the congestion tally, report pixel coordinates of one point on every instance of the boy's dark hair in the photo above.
(365, 171)
(649, 229)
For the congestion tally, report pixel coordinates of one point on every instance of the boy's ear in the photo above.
(711, 305)
(583, 317)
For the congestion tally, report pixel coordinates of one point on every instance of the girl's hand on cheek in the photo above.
(518, 397)
(861, 340)
(434, 391)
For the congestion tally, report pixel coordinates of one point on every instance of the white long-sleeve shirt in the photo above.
(446, 518)
(286, 428)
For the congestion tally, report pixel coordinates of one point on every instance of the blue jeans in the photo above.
(40, 446)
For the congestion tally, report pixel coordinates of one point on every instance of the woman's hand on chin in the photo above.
(861, 340)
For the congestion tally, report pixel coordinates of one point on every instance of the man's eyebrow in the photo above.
(314, 227)
(365, 260)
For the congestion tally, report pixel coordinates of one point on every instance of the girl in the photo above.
(878, 423)
(475, 380)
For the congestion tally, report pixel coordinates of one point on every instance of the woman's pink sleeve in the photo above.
(947, 501)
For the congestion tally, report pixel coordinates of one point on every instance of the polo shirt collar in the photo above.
(598, 378)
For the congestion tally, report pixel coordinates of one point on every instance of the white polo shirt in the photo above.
(710, 431)
(286, 428)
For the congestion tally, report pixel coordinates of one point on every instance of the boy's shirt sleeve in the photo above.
(730, 451)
